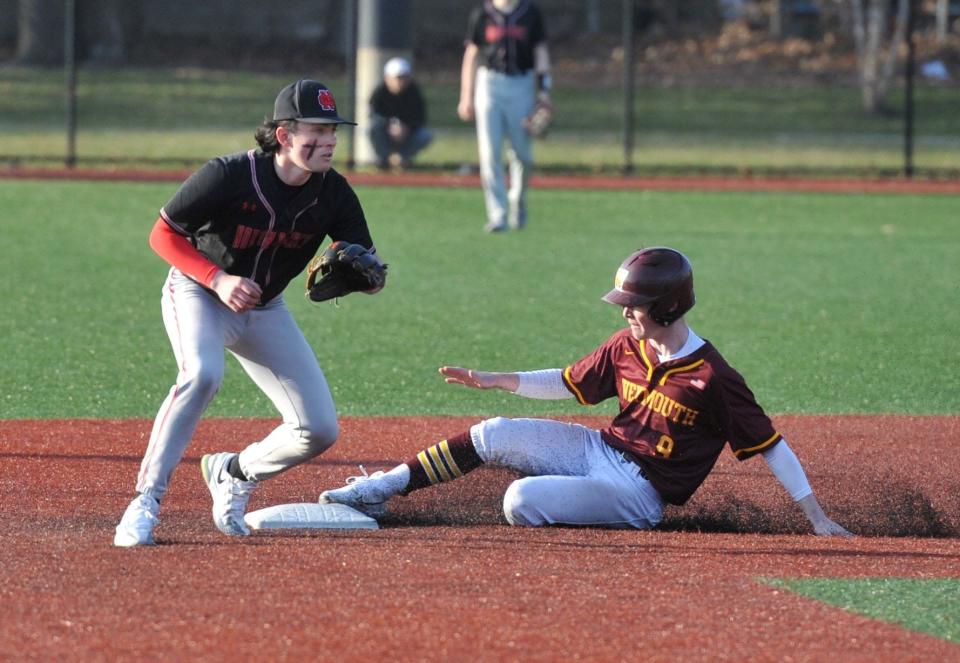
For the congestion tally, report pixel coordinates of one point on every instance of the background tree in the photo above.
(878, 46)
(103, 30)
(942, 12)
(40, 32)
(779, 15)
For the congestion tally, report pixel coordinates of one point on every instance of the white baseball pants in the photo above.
(271, 349)
(501, 103)
(574, 477)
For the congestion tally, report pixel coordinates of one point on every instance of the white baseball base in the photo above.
(309, 515)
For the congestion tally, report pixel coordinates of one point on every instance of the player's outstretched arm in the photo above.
(479, 379)
(786, 467)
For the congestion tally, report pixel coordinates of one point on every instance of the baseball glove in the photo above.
(344, 268)
(538, 122)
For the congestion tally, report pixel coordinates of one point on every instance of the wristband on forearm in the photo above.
(545, 384)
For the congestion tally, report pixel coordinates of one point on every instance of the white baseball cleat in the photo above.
(367, 494)
(230, 495)
(136, 525)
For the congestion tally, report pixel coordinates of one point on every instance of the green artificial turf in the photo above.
(826, 303)
(928, 605)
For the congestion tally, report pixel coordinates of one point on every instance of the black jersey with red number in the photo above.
(506, 41)
(675, 416)
(239, 214)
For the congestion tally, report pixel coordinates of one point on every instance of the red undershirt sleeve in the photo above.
(180, 253)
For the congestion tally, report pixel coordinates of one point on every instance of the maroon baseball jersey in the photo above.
(675, 416)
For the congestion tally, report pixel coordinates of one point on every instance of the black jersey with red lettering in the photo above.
(239, 214)
(676, 415)
(506, 40)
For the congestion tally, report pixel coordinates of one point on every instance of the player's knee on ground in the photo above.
(519, 508)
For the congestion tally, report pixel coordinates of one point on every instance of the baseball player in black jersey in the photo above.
(235, 233)
(505, 71)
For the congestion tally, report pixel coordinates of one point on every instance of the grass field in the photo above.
(178, 116)
(924, 605)
(827, 303)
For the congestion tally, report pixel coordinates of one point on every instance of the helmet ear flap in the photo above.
(663, 315)
(670, 307)
(663, 318)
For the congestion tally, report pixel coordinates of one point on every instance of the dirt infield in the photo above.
(446, 578)
(595, 182)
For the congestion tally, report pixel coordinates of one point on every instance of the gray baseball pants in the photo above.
(274, 353)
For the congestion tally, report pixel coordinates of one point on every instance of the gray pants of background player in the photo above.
(501, 103)
(574, 477)
(271, 349)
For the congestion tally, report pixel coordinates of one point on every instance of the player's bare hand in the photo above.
(830, 528)
(397, 130)
(822, 525)
(468, 377)
(238, 293)
(465, 110)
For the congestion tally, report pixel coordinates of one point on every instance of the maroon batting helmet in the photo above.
(659, 278)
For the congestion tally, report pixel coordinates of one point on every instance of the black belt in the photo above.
(636, 461)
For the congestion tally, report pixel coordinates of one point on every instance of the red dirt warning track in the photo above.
(446, 578)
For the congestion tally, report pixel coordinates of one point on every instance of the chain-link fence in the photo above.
(717, 86)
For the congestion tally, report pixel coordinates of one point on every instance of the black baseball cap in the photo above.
(307, 101)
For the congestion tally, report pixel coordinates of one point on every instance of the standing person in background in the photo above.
(236, 233)
(506, 68)
(398, 116)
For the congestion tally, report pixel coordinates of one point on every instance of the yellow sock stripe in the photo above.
(447, 456)
(438, 463)
(425, 464)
